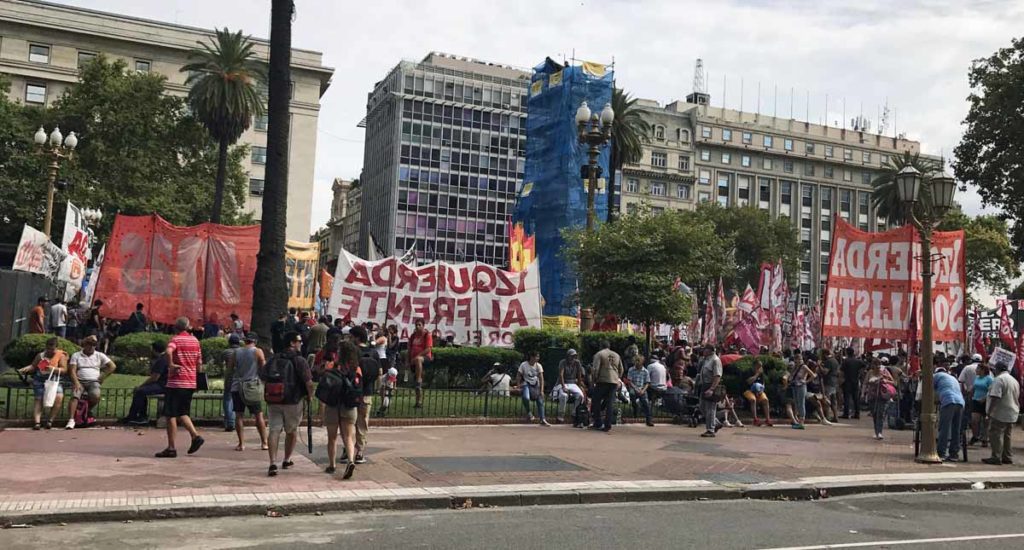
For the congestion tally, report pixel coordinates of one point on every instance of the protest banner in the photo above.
(36, 254)
(475, 303)
(174, 271)
(1001, 355)
(300, 261)
(875, 277)
(75, 243)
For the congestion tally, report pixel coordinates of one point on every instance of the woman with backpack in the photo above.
(879, 389)
(340, 391)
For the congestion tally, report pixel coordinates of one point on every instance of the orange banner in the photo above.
(521, 249)
(196, 272)
(874, 278)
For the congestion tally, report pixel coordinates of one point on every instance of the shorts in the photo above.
(239, 405)
(790, 396)
(91, 388)
(284, 417)
(39, 387)
(978, 407)
(759, 397)
(333, 416)
(177, 402)
(830, 392)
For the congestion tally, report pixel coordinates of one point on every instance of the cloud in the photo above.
(913, 55)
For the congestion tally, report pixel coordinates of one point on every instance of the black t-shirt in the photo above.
(159, 366)
(370, 365)
(830, 372)
(852, 367)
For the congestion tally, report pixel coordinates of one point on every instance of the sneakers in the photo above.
(650, 424)
(727, 424)
(167, 453)
(70, 425)
(879, 437)
(360, 459)
(992, 461)
(797, 426)
(768, 423)
(196, 443)
(350, 469)
(738, 424)
(826, 422)
(544, 423)
(708, 434)
(757, 421)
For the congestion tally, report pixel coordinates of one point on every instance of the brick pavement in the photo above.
(98, 468)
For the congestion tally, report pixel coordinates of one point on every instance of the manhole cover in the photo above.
(452, 464)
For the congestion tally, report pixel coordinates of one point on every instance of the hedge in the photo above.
(20, 352)
(138, 345)
(735, 376)
(464, 367)
(538, 339)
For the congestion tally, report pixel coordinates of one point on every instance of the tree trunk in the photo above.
(218, 190)
(270, 292)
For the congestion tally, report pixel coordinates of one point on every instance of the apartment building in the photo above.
(444, 153)
(43, 44)
(808, 173)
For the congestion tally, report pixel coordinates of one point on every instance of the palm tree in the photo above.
(224, 95)
(629, 133)
(885, 195)
(270, 291)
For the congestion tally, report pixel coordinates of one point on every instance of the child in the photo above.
(387, 389)
(726, 409)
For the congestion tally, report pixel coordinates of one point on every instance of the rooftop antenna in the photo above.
(826, 110)
(807, 104)
(698, 76)
(724, 96)
(741, 95)
(883, 122)
(775, 101)
(758, 99)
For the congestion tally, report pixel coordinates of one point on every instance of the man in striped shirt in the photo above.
(184, 359)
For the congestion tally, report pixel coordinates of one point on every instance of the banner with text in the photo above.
(300, 268)
(875, 277)
(475, 303)
(36, 254)
(75, 243)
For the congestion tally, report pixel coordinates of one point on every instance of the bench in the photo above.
(161, 421)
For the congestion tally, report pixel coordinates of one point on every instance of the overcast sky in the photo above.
(913, 54)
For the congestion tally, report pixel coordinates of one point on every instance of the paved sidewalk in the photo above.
(111, 473)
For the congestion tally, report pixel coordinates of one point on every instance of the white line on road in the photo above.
(899, 542)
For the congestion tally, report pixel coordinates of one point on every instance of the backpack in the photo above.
(280, 385)
(340, 388)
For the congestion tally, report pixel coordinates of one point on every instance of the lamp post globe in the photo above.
(71, 141)
(908, 184)
(56, 137)
(583, 113)
(943, 188)
(607, 115)
(40, 137)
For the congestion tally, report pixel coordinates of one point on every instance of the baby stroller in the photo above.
(683, 407)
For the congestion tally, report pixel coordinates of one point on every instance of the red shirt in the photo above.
(36, 321)
(421, 343)
(187, 354)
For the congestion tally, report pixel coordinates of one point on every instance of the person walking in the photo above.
(1003, 407)
(341, 417)
(951, 407)
(48, 365)
(852, 368)
(288, 383)
(879, 389)
(708, 380)
(184, 358)
(245, 389)
(570, 383)
(228, 404)
(606, 373)
(370, 371)
(530, 379)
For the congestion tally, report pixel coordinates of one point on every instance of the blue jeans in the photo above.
(139, 409)
(645, 404)
(949, 430)
(879, 409)
(540, 400)
(800, 403)
(229, 409)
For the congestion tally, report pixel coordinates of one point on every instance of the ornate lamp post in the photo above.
(927, 216)
(59, 148)
(594, 131)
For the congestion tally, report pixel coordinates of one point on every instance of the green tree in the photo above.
(22, 173)
(270, 293)
(223, 94)
(629, 133)
(988, 257)
(884, 193)
(991, 154)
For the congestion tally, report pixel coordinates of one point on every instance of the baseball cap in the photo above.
(252, 337)
(571, 352)
(976, 358)
(234, 340)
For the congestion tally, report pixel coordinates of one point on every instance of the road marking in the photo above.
(899, 542)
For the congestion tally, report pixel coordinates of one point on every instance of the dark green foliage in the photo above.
(213, 348)
(19, 353)
(539, 339)
(735, 377)
(464, 367)
(138, 345)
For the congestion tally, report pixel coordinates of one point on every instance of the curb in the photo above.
(784, 491)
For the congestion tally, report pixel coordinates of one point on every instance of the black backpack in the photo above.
(279, 381)
(340, 388)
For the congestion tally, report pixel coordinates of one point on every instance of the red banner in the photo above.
(874, 279)
(195, 272)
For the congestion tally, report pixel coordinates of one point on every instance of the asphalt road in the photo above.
(873, 521)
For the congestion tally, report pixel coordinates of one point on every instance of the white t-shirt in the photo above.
(968, 375)
(89, 365)
(499, 384)
(659, 375)
(58, 315)
(531, 374)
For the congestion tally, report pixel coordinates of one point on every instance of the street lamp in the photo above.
(60, 147)
(595, 130)
(941, 188)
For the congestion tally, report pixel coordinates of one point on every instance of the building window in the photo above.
(809, 147)
(260, 122)
(683, 191)
(866, 156)
(786, 192)
(829, 151)
(743, 190)
(705, 177)
(659, 132)
(723, 189)
(768, 141)
(256, 187)
(704, 196)
(631, 209)
(884, 159)
(787, 144)
(764, 193)
(658, 189)
(38, 53)
(726, 134)
(808, 169)
(84, 58)
(865, 178)
(705, 155)
(684, 163)
(705, 131)
(830, 172)
(659, 160)
(35, 93)
(787, 166)
(259, 155)
(683, 135)
(745, 161)
(847, 154)
(766, 163)
(806, 196)
(143, 66)
(847, 175)
(748, 137)
(726, 158)
(826, 199)
(632, 185)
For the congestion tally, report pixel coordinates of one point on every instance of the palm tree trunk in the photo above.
(270, 293)
(218, 190)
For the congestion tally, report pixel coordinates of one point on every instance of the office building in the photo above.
(444, 154)
(42, 45)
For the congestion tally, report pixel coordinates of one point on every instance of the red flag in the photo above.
(979, 338)
(749, 301)
(710, 325)
(912, 330)
(1005, 329)
(720, 304)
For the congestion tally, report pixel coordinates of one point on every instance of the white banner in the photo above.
(76, 244)
(94, 277)
(475, 303)
(1000, 355)
(36, 254)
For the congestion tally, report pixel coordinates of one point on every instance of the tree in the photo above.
(991, 154)
(224, 96)
(629, 133)
(885, 194)
(988, 256)
(139, 152)
(270, 291)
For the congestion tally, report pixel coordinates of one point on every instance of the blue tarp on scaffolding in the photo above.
(554, 195)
